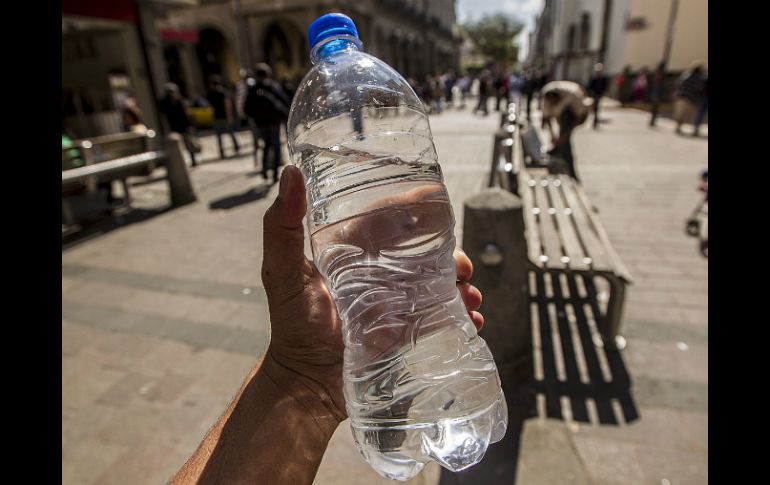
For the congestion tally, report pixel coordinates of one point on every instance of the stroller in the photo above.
(699, 216)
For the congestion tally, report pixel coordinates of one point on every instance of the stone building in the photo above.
(218, 37)
(571, 35)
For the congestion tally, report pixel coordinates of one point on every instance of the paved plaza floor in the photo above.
(164, 314)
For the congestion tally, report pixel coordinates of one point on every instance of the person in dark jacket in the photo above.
(657, 94)
(224, 117)
(268, 105)
(175, 118)
(703, 110)
(689, 94)
(597, 86)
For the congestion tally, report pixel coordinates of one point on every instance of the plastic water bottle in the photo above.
(419, 383)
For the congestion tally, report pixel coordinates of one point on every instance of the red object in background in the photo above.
(179, 35)
(124, 10)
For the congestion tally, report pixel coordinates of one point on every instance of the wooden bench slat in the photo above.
(601, 234)
(564, 215)
(532, 230)
(584, 226)
(549, 234)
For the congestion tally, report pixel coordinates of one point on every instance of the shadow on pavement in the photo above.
(576, 380)
(501, 459)
(231, 201)
(99, 227)
(594, 380)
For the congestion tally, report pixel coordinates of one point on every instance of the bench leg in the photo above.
(126, 193)
(69, 219)
(610, 338)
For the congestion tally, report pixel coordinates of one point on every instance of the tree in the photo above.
(493, 37)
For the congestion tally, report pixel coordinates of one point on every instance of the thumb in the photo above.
(284, 239)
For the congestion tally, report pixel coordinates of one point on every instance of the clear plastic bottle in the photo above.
(420, 384)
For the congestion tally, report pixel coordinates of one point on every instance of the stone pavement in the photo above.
(163, 316)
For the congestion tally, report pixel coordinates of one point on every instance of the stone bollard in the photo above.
(493, 238)
(179, 183)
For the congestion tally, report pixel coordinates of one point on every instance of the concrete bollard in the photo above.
(179, 183)
(493, 238)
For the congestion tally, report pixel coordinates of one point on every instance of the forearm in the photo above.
(275, 431)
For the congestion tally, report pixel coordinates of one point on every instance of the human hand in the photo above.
(306, 341)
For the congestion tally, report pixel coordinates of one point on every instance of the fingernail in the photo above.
(284, 186)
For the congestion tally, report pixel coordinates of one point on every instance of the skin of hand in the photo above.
(306, 329)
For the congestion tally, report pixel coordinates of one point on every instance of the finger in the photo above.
(463, 265)
(478, 320)
(284, 238)
(471, 296)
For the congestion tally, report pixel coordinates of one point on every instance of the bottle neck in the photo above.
(333, 45)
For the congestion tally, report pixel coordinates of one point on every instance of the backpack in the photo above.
(265, 104)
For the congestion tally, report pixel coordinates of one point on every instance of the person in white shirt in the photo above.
(566, 102)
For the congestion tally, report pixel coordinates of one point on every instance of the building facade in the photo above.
(570, 36)
(109, 49)
(219, 37)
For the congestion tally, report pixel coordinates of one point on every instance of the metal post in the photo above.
(670, 31)
(605, 30)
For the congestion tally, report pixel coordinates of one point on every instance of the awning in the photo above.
(179, 35)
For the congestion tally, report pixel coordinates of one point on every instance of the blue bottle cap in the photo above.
(330, 25)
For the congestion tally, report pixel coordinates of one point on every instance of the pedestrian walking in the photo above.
(623, 83)
(597, 86)
(689, 94)
(704, 108)
(131, 115)
(268, 106)
(174, 118)
(224, 115)
(640, 86)
(656, 91)
(485, 86)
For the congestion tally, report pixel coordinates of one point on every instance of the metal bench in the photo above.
(565, 235)
(505, 167)
(117, 157)
(83, 168)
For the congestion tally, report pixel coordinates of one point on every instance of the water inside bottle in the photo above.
(419, 382)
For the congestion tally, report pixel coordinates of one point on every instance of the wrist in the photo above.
(310, 398)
